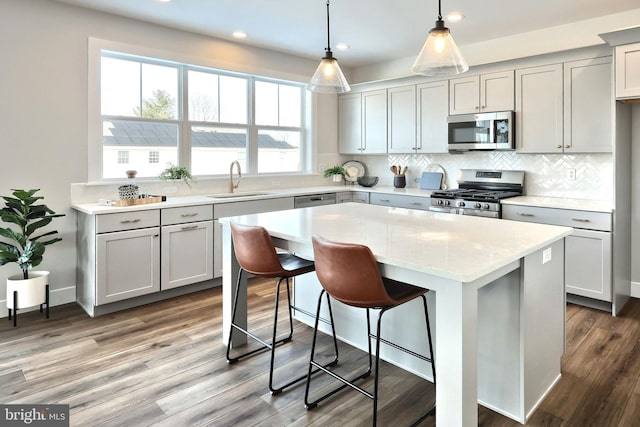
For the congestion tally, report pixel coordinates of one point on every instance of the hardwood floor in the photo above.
(164, 365)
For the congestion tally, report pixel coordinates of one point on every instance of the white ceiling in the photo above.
(375, 30)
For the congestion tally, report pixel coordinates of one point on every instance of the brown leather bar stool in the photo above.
(349, 273)
(257, 255)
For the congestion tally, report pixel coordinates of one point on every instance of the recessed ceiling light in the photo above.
(240, 34)
(342, 46)
(164, 1)
(454, 17)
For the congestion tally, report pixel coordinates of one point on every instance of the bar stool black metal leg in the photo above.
(278, 390)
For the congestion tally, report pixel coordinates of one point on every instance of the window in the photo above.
(154, 157)
(123, 157)
(161, 112)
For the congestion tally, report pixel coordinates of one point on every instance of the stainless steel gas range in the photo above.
(479, 192)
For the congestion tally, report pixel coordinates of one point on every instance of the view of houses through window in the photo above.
(153, 110)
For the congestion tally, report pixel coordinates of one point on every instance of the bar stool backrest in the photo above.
(349, 273)
(255, 251)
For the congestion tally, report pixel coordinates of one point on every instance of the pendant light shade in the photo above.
(328, 77)
(440, 55)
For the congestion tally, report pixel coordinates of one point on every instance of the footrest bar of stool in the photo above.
(278, 390)
(345, 383)
(265, 345)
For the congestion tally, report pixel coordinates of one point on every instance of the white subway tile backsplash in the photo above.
(546, 174)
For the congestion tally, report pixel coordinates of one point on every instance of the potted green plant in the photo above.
(336, 173)
(23, 247)
(173, 172)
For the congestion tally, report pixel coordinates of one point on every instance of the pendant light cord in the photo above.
(439, 10)
(328, 32)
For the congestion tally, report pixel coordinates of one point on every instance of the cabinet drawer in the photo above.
(566, 217)
(398, 201)
(361, 197)
(127, 221)
(186, 214)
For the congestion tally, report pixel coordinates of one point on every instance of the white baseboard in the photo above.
(56, 297)
(635, 289)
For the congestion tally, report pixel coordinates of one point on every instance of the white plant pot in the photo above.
(336, 178)
(31, 291)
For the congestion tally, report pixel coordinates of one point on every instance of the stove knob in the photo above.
(477, 205)
(440, 202)
(461, 204)
(486, 206)
(447, 202)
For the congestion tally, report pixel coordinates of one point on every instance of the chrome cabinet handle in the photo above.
(581, 219)
(567, 146)
(415, 204)
(525, 214)
(385, 200)
(129, 221)
(188, 215)
(189, 227)
(559, 146)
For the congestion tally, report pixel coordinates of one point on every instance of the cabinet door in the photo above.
(350, 123)
(128, 264)
(402, 119)
(187, 254)
(539, 126)
(433, 100)
(628, 71)
(374, 122)
(588, 109)
(588, 264)
(497, 91)
(464, 95)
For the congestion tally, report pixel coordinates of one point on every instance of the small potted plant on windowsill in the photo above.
(173, 172)
(28, 288)
(336, 173)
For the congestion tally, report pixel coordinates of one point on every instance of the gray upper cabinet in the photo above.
(628, 71)
(565, 108)
(482, 93)
(402, 119)
(433, 101)
(588, 106)
(363, 122)
(350, 123)
(539, 109)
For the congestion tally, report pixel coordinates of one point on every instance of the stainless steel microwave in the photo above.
(482, 131)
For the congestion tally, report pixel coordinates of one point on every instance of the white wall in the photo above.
(43, 105)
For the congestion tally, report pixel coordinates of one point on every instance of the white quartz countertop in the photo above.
(560, 203)
(242, 196)
(457, 247)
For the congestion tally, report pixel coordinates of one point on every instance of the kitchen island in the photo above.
(498, 303)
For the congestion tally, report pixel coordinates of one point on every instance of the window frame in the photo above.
(96, 49)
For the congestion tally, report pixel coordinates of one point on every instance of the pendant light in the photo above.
(439, 56)
(328, 77)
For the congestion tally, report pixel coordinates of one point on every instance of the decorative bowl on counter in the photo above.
(368, 181)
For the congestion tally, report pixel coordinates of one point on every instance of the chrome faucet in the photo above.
(231, 184)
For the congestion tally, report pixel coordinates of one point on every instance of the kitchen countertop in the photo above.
(560, 203)
(242, 196)
(429, 242)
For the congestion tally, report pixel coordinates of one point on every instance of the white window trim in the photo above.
(308, 150)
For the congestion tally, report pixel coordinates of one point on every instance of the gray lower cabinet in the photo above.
(400, 201)
(127, 256)
(588, 270)
(187, 246)
(353, 196)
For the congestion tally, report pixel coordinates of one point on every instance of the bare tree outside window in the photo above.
(160, 106)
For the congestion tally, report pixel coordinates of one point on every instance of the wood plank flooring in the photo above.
(164, 364)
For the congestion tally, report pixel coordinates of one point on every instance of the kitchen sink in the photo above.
(235, 195)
